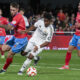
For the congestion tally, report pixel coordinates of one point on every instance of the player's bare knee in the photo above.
(70, 51)
(31, 56)
(10, 54)
(5, 48)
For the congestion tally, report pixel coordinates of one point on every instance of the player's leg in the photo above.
(78, 46)
(67, 58)
(4, 49)
(2, 52)
(68, 55)
(7, 47)
(16, 48)
(8, 44)
(37, 58)
(8, 61)
(23, 53)
(26, 63)
(72, 44)
(2, 38)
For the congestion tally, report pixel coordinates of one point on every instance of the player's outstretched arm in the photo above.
(7, 27)
(27, 30)
(31, 28)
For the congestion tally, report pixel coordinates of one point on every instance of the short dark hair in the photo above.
(48, 16)
(14, 4)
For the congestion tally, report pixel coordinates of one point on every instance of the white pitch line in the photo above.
(75, 69)
(44, 64)
(56, 64)
(45, 67)
(59, 64)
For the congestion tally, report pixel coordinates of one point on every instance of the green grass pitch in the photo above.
(47, 67)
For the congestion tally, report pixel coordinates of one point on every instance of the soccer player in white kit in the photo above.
(41, 38)
(22, 11)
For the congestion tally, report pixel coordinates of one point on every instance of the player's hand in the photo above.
(35, 48)
(22, 31)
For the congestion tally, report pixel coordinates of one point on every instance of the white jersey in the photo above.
(26, 21)
(42, 33)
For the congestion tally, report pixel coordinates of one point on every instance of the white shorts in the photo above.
(30, 49)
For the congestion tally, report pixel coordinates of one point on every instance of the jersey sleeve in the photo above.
(26, 21)
(37, 23)
(50, 34)
(15, 21)
(6, 21)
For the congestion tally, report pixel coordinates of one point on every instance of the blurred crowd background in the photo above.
(63, 15)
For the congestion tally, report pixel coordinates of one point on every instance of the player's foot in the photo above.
(2, 57)
(2, 71)
(36, 61)
(20, 73)
(64, 67)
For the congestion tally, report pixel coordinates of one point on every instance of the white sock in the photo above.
(26, 63)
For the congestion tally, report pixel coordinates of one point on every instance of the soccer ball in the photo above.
(31, 71)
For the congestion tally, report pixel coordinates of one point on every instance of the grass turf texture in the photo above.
(46, 68)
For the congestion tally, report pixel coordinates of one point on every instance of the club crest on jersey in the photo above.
(14, 45)
(13, 22)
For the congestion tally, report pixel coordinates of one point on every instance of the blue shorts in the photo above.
(2, 39)
(17, 44)
(75, 41)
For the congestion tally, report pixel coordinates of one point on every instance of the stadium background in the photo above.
(35, 7)
(51, 4)
(50, 59)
